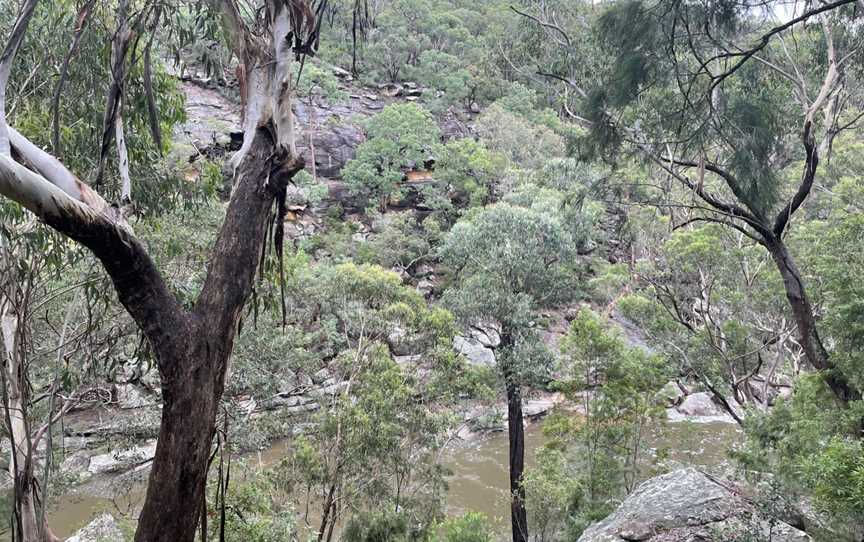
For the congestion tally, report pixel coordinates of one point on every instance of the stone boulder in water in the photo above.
(688, 506)
(700, 404)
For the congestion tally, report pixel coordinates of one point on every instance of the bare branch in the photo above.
(546, 24)
(744, 56)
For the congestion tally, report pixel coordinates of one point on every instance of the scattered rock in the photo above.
(534, 409)
(401, 343)
(123, 459)
(687, 506)
(287, 382)
(102, 529)
(300, 409)
(321, 376)
(408, 360)
(247, 404)
(474, 351)
(700, 404)
(283, 401)
(305, 381)
(130, 397)
(423, 271)
(340, 73)
(488, 334)
(334, 389)
(391, 89)
(426, 287)
(76, 465)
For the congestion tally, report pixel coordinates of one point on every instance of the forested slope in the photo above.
(269, 267)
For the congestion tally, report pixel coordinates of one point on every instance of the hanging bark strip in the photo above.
(191, 346)
(113, 108)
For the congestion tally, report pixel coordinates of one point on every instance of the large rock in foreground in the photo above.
(687, 506)
(102, 529)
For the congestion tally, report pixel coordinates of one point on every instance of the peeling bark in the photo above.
(122, 156)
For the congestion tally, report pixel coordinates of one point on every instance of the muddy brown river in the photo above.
(479, 471)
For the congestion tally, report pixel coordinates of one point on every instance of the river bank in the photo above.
(478, 467)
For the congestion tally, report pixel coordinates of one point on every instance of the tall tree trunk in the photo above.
(516, 434)
(194, 359)
(805, 320)
(179, 475)
(192, 347)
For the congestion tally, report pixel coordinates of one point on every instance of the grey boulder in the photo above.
(688, 505)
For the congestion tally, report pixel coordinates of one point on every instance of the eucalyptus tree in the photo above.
(726, 100)
(192, 345)
(508, 263)
(38, 269)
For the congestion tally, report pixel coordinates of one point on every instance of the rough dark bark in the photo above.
(805, 320)
(192, 348)
(516, 435)
(194, 374)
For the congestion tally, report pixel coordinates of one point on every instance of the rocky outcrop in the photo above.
(688, 506)
(336, 134)
(122, 460)
(474, 351)
(102, 529)
(700, 404)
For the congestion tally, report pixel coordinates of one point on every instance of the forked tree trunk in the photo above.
(194, 361)
(192, 348)
(516, 437)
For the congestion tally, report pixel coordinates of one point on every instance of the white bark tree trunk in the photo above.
(122, 155)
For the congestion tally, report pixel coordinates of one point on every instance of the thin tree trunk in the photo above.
(808, 335)
(21, 466)
(516, 434)
(83, 16)
(328, 506)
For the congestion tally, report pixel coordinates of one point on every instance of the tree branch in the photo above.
(6, 59)
(139, 285)
(744, 56)
(545, 24)
(81, 24)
